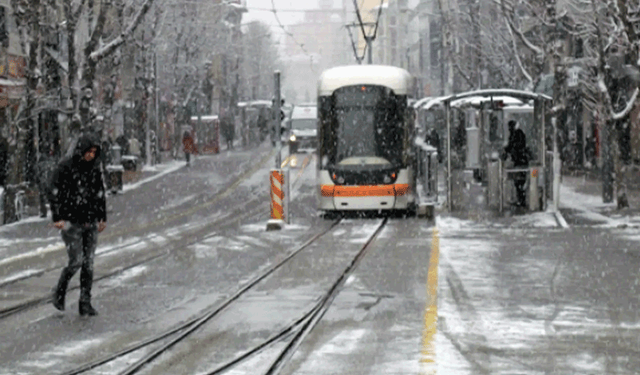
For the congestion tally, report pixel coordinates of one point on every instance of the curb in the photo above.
(560, 219)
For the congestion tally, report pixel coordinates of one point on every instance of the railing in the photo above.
(533, 194)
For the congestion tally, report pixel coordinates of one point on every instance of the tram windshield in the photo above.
(365, 127)
(304, 124)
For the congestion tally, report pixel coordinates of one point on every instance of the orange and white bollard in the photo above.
(278, 217)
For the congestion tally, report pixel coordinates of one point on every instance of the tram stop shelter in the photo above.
(476, 133)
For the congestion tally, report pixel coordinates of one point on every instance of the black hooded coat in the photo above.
(77, 191)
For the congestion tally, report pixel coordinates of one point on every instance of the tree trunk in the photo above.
(24, 124)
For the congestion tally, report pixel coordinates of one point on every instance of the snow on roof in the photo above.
(433, 102)
(397, 79)
(304, 112)
(421, 102)
(205, 118)
(11, 83)
(478, 100)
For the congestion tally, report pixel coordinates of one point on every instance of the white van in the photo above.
(304, 130)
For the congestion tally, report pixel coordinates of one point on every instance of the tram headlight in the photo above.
(292, 138)
(386, 179)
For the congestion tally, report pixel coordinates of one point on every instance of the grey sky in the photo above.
(284, 7)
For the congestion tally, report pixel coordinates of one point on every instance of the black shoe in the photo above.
(86, 309)
(58, 300)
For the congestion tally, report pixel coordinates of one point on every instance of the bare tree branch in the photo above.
(537, 50)
(111, 47)
(517, 55)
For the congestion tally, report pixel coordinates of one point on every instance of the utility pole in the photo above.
(147, 135)
(276, 118)
(558, 96)
(157, 104)
(369, 38)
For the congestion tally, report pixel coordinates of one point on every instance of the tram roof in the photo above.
(397, 79)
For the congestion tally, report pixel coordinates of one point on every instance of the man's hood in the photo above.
(85, 143)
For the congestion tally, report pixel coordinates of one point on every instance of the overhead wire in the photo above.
(362, 28)
(288, 33)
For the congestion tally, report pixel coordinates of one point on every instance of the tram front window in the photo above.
(356, 134)
(368, 127)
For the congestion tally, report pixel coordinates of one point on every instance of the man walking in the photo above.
(78, 205)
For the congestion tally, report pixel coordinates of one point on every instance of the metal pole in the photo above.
(276, 117)
(447, 109)
(157, 92)
(369, 50)
(543, 149)
(147, 136)
(556, 166)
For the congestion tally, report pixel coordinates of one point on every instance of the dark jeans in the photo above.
(187, 156)
(81, 242)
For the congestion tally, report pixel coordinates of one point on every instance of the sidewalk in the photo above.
(131, 180)
(581, 197)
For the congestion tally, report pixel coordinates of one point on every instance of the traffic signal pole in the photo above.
(277, 120)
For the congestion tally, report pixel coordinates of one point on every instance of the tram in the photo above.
(365, 140)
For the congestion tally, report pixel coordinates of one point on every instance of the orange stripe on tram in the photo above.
(364, 190)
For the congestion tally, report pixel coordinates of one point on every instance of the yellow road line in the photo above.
(428, 353)
(306, 162)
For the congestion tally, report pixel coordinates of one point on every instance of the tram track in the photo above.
(183, 330)
(165, 219)
(159, 251)
(162, 250)
(298, 329)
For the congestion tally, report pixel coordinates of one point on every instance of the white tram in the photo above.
(365, 136)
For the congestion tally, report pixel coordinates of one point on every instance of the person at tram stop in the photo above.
(78, 207)
(519, 154)
(433, 139)
(189, 146)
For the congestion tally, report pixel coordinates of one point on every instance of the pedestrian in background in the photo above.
(4, 160)
(189, 146)
(134, 147)
(78, 206)
(44, 168)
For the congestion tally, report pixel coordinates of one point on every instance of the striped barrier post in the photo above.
(277, 179)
